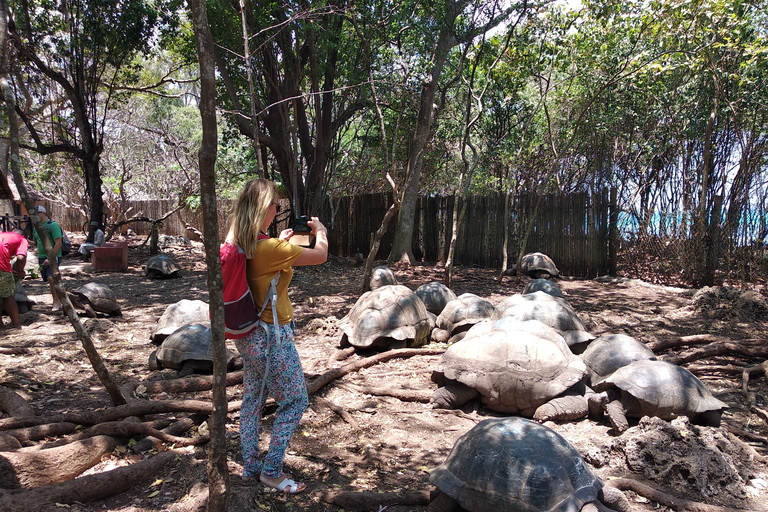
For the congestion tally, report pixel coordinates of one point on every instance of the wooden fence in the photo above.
(572, 229)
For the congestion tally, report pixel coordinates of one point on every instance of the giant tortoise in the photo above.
(553, 311)
(538, 265)
(656, 388)
(459, 315)
(189, 349)
(391, 316)
(95, 297)
(516, 367)
(177, 314)
(161, 266)
(514, 464)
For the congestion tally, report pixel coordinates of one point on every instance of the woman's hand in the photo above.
(286, 234)
(316, 225)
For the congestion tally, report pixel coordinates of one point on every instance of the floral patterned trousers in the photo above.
(285, 383)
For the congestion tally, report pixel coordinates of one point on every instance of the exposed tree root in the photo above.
(677, 504)
(135, 408)
(84, 489)
(13, 404)
(37, 468)
(682, 341)
(738, 433)
(174, 429)
(375, 500)
(25, 435)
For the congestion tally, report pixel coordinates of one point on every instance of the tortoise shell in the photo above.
(180, 313)
(516, 464)
(536, 265)
(543, 285)
(392, 315)
(435, 296)
(382, 276)
(161, 266)
(609, 352)
(190, 342)
(98, 296)
(460, 314)
(553, 311)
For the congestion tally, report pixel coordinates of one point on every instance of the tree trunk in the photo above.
(402, 246)
(218, 472)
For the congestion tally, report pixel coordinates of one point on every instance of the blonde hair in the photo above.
(249, 214)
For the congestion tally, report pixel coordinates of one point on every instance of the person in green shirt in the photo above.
(55, 237)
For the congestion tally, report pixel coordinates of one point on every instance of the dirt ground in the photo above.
(386, 444)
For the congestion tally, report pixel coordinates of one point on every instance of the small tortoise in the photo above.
(543, 285)
(538, 265)
(182, 312)
(553, 311)
(435, 296)
(656, 388)
(161, 266)
(609, 352)
(95, 297)
(459, 315)
(516, 367)
(382, 276)
(189, 349)
(392, 316)
(514, 464)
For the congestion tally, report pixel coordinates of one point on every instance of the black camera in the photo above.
(301, 225)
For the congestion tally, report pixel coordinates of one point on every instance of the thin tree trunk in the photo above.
(218, 472)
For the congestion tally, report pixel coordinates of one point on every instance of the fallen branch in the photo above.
(349, 500)
(87, 488)
(677, 504)
(13, 351)
(331, 375)
(174, 429)
(754, 349)
(682, 341)
(406, 395)
(172, 386)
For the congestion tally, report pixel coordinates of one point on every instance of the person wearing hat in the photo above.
(55, 236)
(12, 244)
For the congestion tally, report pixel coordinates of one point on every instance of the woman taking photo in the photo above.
(267, 357)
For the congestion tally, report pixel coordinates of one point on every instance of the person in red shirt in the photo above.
(11, 244)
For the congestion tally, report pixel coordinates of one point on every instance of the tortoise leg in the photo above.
(454, 394)
(89, 311)
(617, 415)
(153, 362)
(562, 408)
(612, 498)
(187, 369)
(443, 503)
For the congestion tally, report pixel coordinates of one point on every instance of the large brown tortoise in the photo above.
(459, 315)
(515, 367)
(514, 464)
(391, 316)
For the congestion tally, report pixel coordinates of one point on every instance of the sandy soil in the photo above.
(386, 444)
